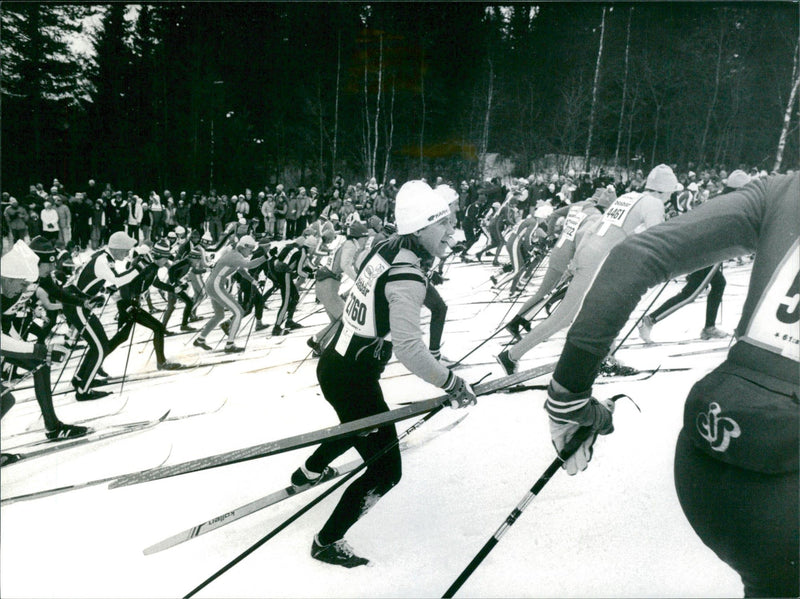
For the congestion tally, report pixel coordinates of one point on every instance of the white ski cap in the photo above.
(247, 241)
(418, 206)
(20, 262)
(449, 194)
(120, 241)
(737, 179)
(661, 178)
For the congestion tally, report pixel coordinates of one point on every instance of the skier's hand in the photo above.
(459, 391)
(436, 278)
(570, 412)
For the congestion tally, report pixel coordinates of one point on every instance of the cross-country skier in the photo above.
(176, 276)
(736, 460)
(630, 214)
(386, 299)
(328, 279)
(129, 308)
(96, 275)
(19, 269)
(579, 218)
(218, 289)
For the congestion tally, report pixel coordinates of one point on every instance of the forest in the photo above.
(234, 94)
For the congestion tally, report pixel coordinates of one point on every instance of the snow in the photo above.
(615, 530)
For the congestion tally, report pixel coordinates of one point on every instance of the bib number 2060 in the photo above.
(356, 310)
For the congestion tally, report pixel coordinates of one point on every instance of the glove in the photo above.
(570, 412)
(141, 250)
(436, 278)
(459, 391)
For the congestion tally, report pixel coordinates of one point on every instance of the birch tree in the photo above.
(787, 116)
(594, 90)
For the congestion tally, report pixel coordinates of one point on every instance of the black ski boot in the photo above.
(338, 553)
(68, 431)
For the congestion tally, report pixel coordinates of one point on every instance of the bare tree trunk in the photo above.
(594, 92)
(390, 135)
(655, 134)
(486, 119)
(367, 135)
(624, 88)
(422, 98)
(787, 117)
(712, 105)
(630, 133)
(321, 167)
(374, 164)
(336, 105)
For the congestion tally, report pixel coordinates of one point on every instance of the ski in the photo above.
(327, 434)
(77, 486)
(640, 375)
(701, 351)
(269, 500)
(55, 446)
(37, 425)
(195, 414)
(629, 344)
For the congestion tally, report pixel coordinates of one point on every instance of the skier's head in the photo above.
(246, 245)
(735, 180)
(180, 232)
(356, 230)
(47, 254)
(18, 268)
(161, 252)
(119, 244)
(661, 182)
(424, 214)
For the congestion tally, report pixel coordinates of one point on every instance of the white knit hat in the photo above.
(120, 241)
(661, 178)
(737, 179)
(247, 241)
(449, 194)
(418, 206)
(20, 263)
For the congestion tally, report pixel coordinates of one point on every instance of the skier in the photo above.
(630, 214)
(174, 276)
(130, 312)
(19, 269)
(217, 288)
(580, 218)
(93, 277)
(695, 283)
(328, 280)
(736, 460)
(282, 268)
(386, 299)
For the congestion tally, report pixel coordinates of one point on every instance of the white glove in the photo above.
(568, 414)
(460, 392)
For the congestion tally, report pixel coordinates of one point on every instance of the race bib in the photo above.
(617, 213)
(359, 310)
(774, 325)
(571, 225)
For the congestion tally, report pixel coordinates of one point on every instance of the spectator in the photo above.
(116, 213)
(197, 212)
(170, 214)
(49, 218)
(182, 212)
(242, 207)
(156, 215)
(135, 214)
(281, 209)
(98, 233)
(146, 222)
(64, 219)
(268, 213)
(303, 207)
(16, 218)
(214, 209)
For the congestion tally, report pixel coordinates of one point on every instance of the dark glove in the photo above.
(436, 278)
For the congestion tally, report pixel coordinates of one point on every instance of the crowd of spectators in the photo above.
(85, 219)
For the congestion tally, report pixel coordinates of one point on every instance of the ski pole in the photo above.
(638, 320)
(570, 448)
(127, 357)
(274, 532)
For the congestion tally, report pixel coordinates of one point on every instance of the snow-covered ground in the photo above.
(616, 530)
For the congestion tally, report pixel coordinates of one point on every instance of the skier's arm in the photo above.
(405, 292)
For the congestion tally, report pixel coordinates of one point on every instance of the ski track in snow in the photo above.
(616, 530)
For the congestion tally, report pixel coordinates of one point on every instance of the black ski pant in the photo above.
(355, 393)
(250, 296)
(435, 303)
(92, 331)
(289, 297)
(749, 519)
(42, 388)
(695, 283)
(172, 299)
(129, 314)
